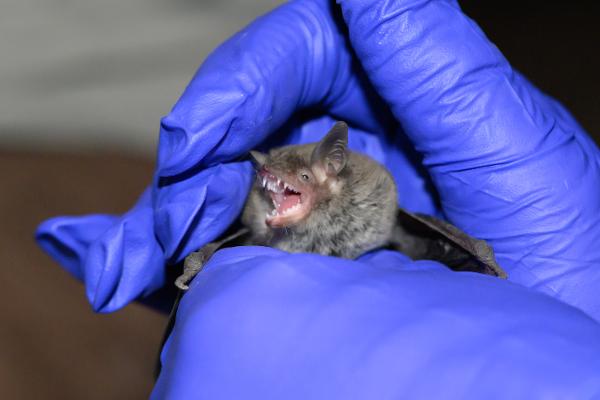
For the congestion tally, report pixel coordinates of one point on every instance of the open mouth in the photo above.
(289, 206)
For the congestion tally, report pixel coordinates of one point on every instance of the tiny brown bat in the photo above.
(323, 198)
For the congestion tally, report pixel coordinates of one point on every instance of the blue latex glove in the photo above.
(510, 166)
(261, 324)
(509, 163)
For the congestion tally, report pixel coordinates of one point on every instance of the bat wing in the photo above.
(423, 237)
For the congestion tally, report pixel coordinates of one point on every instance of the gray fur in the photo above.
(358, 219)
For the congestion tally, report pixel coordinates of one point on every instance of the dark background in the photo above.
(53, 346)
(555, 44)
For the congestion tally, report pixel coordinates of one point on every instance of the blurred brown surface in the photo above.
(52, 346)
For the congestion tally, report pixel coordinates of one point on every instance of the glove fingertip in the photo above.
(172, 158)
(67, 239)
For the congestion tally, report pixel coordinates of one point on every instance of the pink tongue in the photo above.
(287, 201)
(290, 201)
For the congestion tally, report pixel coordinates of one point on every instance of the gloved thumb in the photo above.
(510, 164)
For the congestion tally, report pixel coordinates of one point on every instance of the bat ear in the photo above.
(258, 159)
(332, 151)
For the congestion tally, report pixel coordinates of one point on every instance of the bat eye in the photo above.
(305, 177)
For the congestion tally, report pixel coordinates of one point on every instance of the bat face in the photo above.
(295, 179)
(291, 194)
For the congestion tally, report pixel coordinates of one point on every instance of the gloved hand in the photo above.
(263, 324)
(244, 94)
(509, 165)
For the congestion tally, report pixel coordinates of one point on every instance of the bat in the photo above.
(323, 198)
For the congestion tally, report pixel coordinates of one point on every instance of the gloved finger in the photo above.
(292, 58)
(126, 262)
(191, 215)
(260, 323)
(118, 258)
(510, 166)
(67, 239)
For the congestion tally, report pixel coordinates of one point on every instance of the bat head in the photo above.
(296, 179)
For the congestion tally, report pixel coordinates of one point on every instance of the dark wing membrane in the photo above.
(422, 237)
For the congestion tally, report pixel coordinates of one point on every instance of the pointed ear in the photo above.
(332, 151)
(258, 159)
